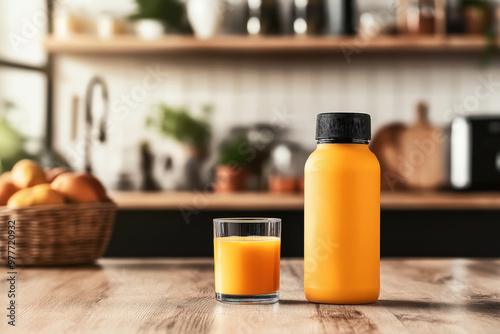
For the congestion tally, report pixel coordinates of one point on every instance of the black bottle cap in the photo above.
(343, 127)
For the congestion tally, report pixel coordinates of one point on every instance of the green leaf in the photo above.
(168, 11)
(235, 152)
(181, 126)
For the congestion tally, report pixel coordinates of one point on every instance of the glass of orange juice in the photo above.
(247, 260)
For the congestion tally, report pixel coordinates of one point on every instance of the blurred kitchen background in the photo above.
(196, 109)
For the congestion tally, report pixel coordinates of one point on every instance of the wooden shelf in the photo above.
(206, 201)
(440, 201)
(130, 44)
(266, 201)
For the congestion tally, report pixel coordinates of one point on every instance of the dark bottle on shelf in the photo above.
(454, 17)
(309, 17)
(421, 17)
(340, 17)
(263, 18)
(478, 17)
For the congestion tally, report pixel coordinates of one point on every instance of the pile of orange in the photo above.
(28, 185)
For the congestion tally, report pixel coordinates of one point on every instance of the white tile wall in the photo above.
(249, 89)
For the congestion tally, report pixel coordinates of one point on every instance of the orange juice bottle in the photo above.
(342, 213)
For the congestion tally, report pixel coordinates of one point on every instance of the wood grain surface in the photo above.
(177, 296)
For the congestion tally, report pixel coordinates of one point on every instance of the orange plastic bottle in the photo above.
(342, 213)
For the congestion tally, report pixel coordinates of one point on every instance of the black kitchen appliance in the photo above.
(474, 153)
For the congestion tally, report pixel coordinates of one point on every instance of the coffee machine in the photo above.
(474, 153)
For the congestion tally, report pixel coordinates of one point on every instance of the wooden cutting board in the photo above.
(411, 156)
(386, 146)
(422, 158)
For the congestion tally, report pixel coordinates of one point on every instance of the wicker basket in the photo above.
(53, 235)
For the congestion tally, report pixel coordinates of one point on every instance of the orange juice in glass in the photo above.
(247, 260)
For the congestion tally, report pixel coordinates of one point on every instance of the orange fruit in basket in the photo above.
(52, 173)
(27, 173)
(40, 194)
(7, 188)
(6, 176)
(79, 187)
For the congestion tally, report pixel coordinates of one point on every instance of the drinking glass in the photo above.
(247, 260)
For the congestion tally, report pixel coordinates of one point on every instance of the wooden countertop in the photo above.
(177, 296)
(136, 200)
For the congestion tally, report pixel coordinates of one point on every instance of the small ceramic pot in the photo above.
(230, 179)
(283, 184)
(149, 29)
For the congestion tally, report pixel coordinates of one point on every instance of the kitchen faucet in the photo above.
(96, 80)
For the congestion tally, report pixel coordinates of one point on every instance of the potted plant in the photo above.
(193, 133)
(152, 16)
(231, 173)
